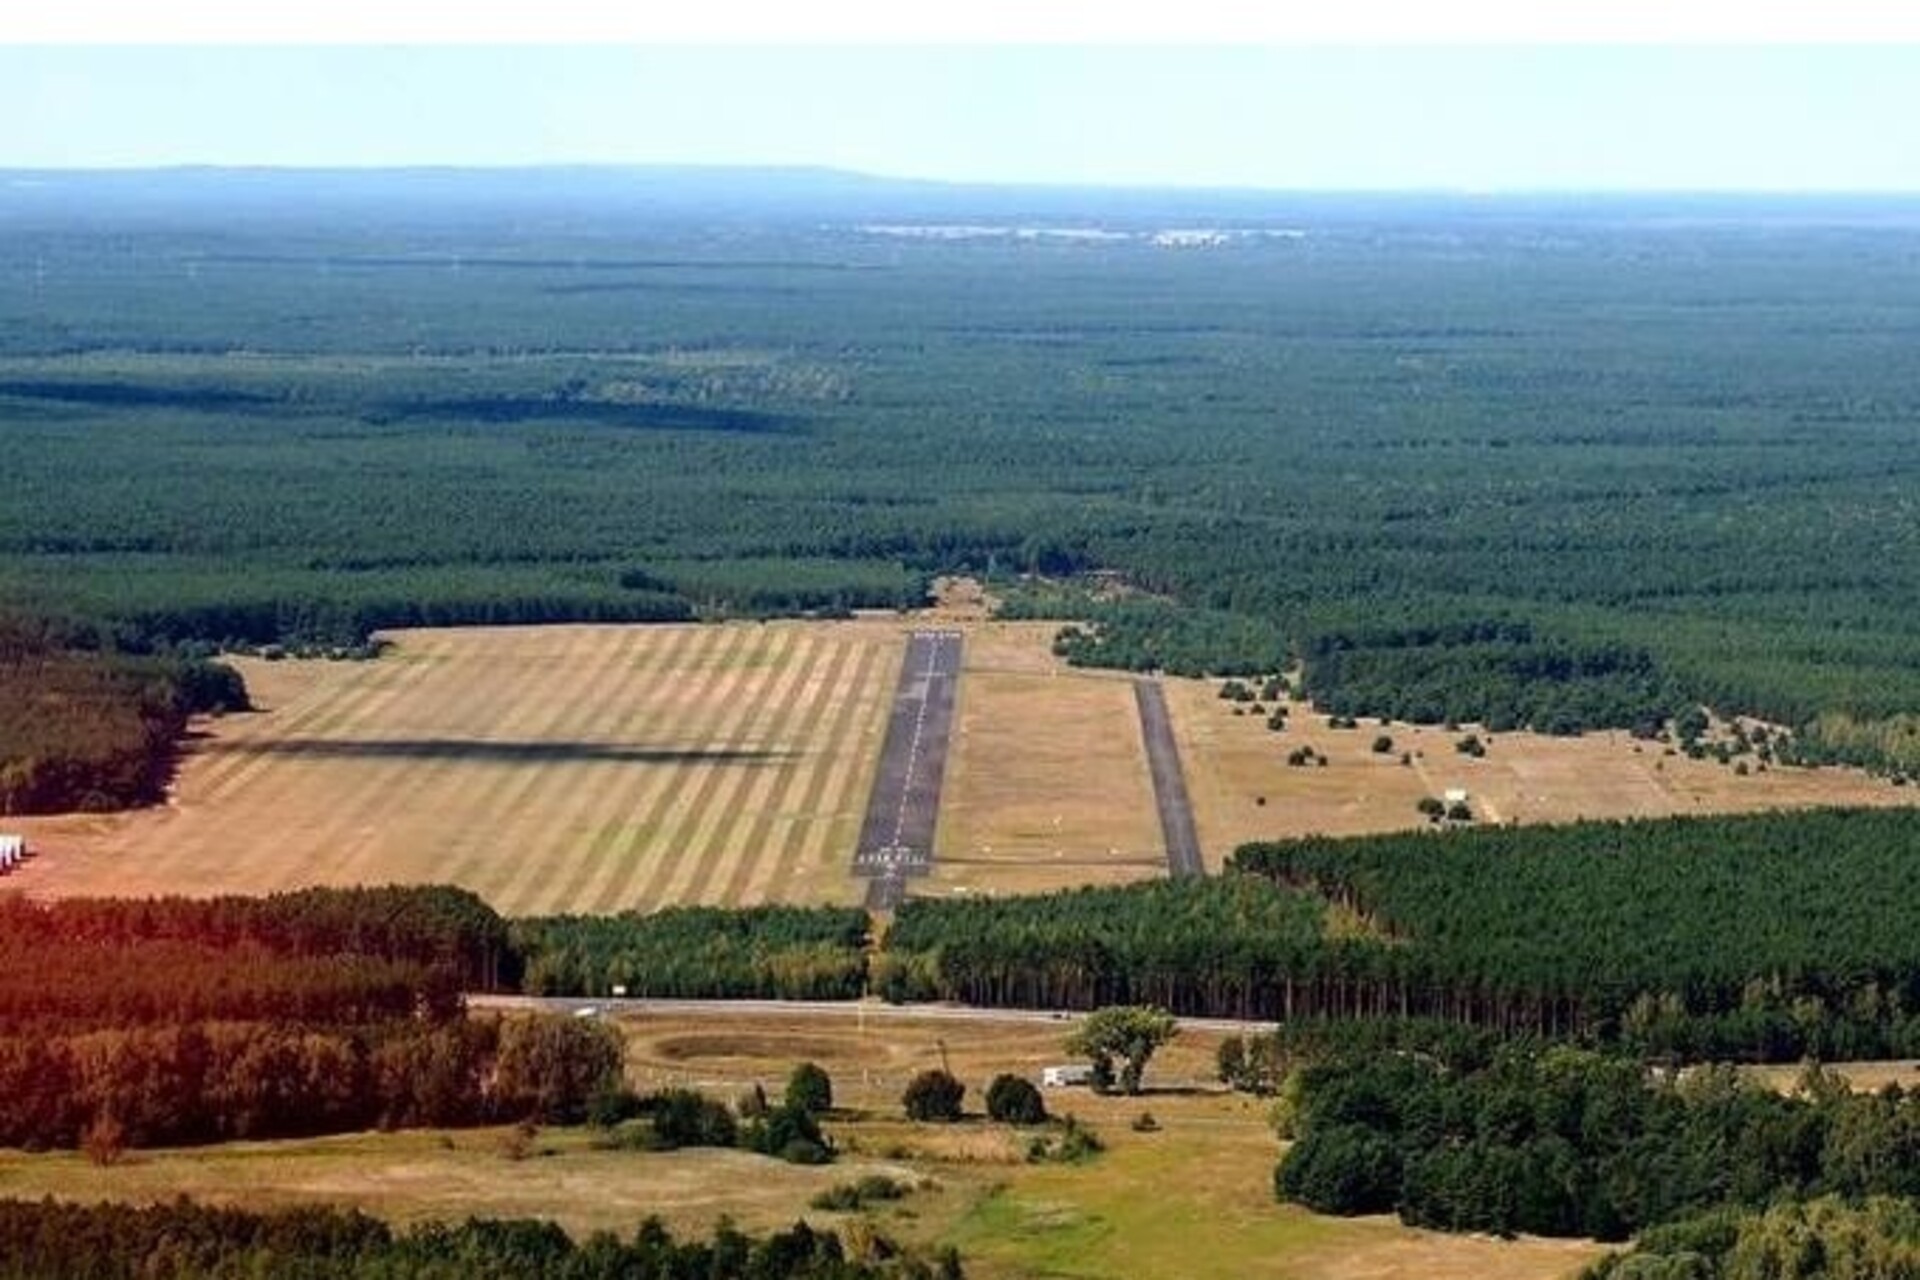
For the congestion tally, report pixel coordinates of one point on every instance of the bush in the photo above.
(847, 1197)
(683, 1118)
(933, 1096)
(810, 1089)
(104, 1141)
(1073, 1144)
(612, 1107)
(1383, 745)
(1344, 1169)
(1012, 1099)
(791, 1133)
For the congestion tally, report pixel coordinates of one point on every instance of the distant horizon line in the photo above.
(715, 168)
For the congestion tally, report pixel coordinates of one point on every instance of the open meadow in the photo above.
(1244, 789)
(1135, 1210)
(568, 768)
(1048, 784)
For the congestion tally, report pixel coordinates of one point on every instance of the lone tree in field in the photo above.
(934, 1095)
(1129, 1033)
(810, 1089)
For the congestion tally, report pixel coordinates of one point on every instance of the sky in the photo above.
(1561, 116)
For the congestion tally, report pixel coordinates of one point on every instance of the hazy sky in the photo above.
(1500, 118)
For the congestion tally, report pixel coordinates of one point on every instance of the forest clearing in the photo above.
(606, 767)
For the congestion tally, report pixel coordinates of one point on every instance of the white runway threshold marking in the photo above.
(896, 839)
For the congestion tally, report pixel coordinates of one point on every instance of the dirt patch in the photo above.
(800, 1048)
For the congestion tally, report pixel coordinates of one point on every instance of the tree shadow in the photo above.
(490, 751)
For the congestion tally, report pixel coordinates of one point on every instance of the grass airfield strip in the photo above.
(546, 768)
(601, 768)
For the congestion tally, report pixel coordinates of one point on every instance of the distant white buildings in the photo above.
(1189, 239)
(1167, 238)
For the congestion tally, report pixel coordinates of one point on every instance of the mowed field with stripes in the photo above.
(550, 769)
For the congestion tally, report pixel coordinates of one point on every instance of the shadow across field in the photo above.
(641, 416)
(476, 749)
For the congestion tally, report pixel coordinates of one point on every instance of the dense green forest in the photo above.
(169, 1021)
(92, 731)
(1530, 462)
(1822, 1239)
(1568, 1143)
(187, 1241)
(1763, 937)
(789, 953)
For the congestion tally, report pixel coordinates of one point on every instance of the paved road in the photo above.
(896, 840)
(868, 1010)
(1169, 784)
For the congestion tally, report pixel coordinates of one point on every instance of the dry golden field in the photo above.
(597, 768)
(1047, 783)
(547, 768)
(1232, 762)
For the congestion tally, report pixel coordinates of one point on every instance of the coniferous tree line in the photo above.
(1219, 946)
(91, 730)
(438, 926)
(783, 952)
(182, 1240)
(1764, 937)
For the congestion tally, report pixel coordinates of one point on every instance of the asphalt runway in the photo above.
(896, 839)
(1169, 784)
